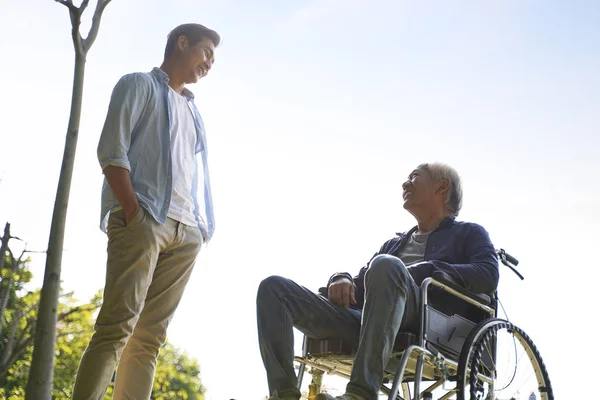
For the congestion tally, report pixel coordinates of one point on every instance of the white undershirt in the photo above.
(183, 144)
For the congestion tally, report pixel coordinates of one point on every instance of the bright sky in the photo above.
(316, 111)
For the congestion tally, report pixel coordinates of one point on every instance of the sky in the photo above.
(316, 111)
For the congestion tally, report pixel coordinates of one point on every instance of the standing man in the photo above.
(153, 154)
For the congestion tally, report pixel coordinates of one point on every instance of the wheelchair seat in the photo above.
(323, 347)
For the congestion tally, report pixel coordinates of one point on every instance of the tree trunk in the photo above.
(39, 386)
(4, 246)
(3, 249)
(5, 280)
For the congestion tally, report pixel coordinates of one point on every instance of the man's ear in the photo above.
(442, 186)
(182, 42)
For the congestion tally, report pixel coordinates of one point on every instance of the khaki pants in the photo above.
(148, 267)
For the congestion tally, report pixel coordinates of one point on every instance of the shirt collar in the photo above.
(162, 76)
(446, 222)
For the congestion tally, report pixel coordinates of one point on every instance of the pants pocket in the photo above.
(138, 217)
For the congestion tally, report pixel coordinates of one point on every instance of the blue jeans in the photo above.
(391, 304)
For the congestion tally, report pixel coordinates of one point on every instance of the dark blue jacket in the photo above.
(463, 250)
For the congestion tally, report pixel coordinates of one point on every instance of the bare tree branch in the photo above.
(89, 41)
(77, 39)
(37, 251)
(83, 6)
(20, 260)
(75, 15)
(68, 3)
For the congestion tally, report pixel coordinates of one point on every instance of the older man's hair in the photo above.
(454, 197)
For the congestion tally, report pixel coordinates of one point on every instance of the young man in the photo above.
(369, 310)
(153, 154)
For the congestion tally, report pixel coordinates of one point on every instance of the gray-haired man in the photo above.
(367, 311)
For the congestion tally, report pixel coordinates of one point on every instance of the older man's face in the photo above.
(418, 190)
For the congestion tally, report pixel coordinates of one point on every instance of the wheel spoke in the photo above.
(500, 362)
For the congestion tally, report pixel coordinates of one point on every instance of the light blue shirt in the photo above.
(136, 136)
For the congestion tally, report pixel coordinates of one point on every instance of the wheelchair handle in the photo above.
(510, 258)
(509, 261)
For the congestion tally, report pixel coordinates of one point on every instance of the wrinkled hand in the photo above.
(341, 292)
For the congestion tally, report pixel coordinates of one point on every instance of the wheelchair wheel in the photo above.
(500, 362)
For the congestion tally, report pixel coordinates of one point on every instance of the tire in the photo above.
(480, 375)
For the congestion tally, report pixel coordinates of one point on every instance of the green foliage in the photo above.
(177, 375)
(74, 331)
(18, 324)
(16, 280)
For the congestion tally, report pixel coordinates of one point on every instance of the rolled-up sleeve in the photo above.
(127, 101)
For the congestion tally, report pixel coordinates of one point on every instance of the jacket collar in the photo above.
(446, 223)
(163, 77)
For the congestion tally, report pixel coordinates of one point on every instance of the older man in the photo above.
(369, 310)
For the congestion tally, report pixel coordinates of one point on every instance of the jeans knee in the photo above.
(270, 285)
(383, 269)
(383, 265)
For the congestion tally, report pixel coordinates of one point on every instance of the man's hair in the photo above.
(194, 33)
(440, 171)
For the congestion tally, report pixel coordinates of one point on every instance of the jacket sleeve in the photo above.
(127, 102)
(359, 280)
(479, 273)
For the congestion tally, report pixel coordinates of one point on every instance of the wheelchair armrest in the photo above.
(446, 279)
(323, 292)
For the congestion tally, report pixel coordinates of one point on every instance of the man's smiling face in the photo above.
(198, 59)
(418, 190)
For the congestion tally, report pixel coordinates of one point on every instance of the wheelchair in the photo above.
(473, 356)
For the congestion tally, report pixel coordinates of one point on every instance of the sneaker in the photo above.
(345, 396)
